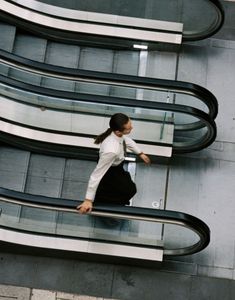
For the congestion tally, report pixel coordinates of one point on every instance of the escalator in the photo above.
(56, 111)
(118, 26)
(53, 224)
(200, 123)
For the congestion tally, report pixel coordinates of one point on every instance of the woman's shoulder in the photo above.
(110, 144)
(127, 138)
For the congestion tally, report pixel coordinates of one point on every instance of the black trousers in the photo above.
(116, 187)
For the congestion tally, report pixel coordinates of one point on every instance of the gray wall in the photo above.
(208, 177)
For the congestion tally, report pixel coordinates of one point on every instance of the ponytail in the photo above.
(99, 139)
(116, 122)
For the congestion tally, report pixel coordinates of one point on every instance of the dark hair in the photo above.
(116, 122)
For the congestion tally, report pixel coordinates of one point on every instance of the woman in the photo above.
(109, 182)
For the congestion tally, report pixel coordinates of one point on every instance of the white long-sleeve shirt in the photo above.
(111, 154)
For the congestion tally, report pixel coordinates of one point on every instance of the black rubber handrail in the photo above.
(213, 28)
(178, 147)
(69, 36)
(124, 212)
(167, 85)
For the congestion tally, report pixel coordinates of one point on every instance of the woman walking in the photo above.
(109, 182)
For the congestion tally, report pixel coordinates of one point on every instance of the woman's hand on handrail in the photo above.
(85, 207)
(145, 158)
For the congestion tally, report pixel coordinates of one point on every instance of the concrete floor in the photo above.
(104, 281)
(8, 292)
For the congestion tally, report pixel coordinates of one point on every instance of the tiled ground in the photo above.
(9, 292)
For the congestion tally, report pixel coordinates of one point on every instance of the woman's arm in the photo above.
(105, 162)
(132, 146)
